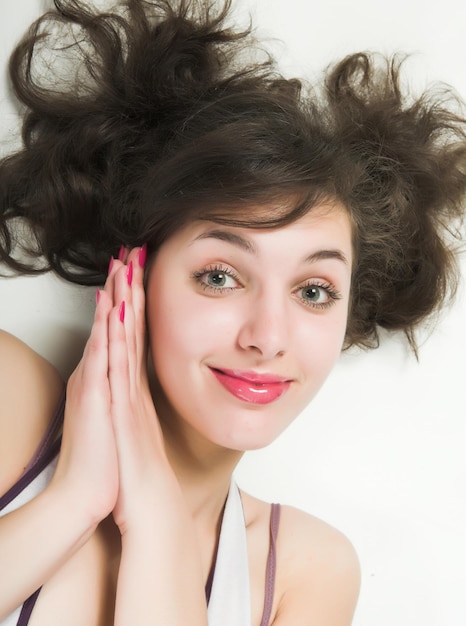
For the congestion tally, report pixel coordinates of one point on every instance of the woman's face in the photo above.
(246, 324)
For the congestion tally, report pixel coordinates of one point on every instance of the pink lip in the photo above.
(251, 386)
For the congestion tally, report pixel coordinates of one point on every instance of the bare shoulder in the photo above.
(318, 577)
(30, 388)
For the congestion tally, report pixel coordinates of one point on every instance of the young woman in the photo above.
(254, 228)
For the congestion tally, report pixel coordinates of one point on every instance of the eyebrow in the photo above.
(326, 254)
(248, 246)
(232, 238)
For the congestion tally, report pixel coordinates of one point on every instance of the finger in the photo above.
(113, 266)
(122, 279)
(123, 254)
(123, 292)
(137, 257)
(119, 369)
(133, 415)
(94, 363)
(128, 287)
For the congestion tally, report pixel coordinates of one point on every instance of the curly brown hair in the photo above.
(156, 119)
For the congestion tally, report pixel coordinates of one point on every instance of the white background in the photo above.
(381, 452)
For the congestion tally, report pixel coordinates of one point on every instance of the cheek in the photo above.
(189, 325)
(319, 344)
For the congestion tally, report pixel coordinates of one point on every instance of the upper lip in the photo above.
(253, 377)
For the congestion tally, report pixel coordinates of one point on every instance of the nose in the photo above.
(265, 327)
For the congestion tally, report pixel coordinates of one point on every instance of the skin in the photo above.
(131, 451)
(259, 322)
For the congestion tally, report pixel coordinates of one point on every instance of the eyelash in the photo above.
(212, 269)
(332, 293)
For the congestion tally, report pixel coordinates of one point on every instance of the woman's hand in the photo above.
(88, 463)
(112, 453)
(142, 463)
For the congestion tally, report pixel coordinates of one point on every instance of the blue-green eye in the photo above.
(315, 294)
(318, 296)
(217, 279)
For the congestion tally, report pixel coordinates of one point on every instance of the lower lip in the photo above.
(255, 393)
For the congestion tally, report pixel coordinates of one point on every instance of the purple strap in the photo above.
(210, 577)
(26, 611)
(271, 565)
(270, 569)
(30, 474)
(45, 453)
(42, 462)
(51, 433)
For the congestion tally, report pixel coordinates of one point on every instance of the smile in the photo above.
(252, 387)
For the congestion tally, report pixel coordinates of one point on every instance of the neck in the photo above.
(203, 469)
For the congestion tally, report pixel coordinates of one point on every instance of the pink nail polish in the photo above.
(122, 311)
(97, 296)
(129, 273)
(110, 265)
(121, 253)
(142, 255)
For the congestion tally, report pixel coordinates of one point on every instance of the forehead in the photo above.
(326, 225)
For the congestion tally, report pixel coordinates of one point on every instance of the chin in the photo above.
(243, 440)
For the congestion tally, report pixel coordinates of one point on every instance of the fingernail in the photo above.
(142, 255)
(97, 296)
(110, 265)
(122, 311)
(129, 273)
(121, 253)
